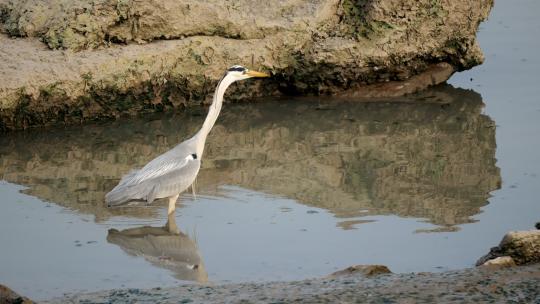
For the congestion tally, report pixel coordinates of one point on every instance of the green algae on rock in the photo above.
(86, 60)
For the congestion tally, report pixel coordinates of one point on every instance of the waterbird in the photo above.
(172, 172)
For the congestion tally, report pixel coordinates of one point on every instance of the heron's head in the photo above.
(239, 72)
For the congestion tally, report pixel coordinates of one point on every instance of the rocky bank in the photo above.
(516, 248)
(71, 61)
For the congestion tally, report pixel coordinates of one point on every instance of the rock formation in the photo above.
(71, 61)
(523, 247)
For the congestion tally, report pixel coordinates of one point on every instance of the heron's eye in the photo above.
(194, 156)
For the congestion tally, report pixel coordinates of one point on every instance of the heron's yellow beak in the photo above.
(257, 74)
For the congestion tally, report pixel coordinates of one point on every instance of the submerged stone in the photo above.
(366, 270)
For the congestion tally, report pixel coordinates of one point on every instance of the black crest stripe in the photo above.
(236, 69)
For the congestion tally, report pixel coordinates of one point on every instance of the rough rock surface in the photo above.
(311, 47)
(522, 246)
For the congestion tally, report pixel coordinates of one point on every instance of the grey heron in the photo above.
(169, 174)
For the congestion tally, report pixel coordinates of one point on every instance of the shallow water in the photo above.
(288, 189)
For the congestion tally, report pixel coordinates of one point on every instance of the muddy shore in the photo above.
(492, 282)
(476, 285)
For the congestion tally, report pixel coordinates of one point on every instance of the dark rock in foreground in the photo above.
(8, 296)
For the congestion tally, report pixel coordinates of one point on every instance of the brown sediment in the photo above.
(433, 75)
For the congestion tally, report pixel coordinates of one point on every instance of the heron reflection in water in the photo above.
(171, 173)
(165, 247)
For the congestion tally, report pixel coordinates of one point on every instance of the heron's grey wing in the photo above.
(133, 185)
(166, 161)
(167, 177)
(154, 170)
(173, 181)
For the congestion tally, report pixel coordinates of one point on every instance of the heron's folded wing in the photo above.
(173, 181)
(155, 170)
(161, 169)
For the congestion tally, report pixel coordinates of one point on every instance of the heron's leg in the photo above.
(172, 204)
(193, 189)
(171, 226)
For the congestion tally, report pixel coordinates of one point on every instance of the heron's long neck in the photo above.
(213, 113)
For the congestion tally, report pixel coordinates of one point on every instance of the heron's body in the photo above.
(171, 173)
(165, 176)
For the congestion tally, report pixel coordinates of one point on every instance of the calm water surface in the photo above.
(288, 189)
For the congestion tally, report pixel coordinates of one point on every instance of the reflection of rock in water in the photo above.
(164, 247)
(434, 159)
(76, 167)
